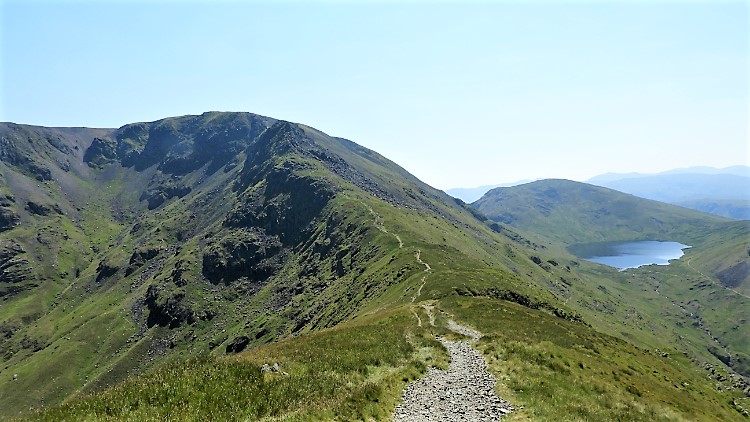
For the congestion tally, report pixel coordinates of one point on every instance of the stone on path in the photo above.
(465, 392)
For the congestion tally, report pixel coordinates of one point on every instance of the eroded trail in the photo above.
(465, 392)
(427, 270)
(380, 225)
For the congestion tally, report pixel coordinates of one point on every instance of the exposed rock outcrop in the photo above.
(8, 219)
(105, 270)
(167, 308)
(13, 267)
(43, 209)
(246, 253)
(140, 257)
(238, 344)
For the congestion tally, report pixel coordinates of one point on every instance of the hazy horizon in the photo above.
(459, 95)
(586, 180)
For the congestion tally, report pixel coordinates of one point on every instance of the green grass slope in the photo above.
(241, 230)
(699, 302)
(551, 368)
(573, 212)
(183, 241)
(363, 379)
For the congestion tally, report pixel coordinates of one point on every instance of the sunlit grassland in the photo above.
(562, 370)
(556, 369)
(354, 371)
(82, 333)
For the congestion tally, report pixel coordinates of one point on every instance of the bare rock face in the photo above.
(105, 270)
(139, 258)
(43, 209)
(179, 145)
(7, 200)
(167, 308)
(244, 253)
(13, 267)
(8, 219)
(238, 344)
(160, 193)
(101, 152)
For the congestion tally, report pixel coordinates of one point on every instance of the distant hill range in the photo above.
(724, 192)
(573, 212)
(470, 195)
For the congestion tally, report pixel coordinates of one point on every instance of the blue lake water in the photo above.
(632, 254)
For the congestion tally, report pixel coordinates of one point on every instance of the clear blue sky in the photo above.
(460, 95)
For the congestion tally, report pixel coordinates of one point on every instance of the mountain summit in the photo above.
(236, 266)
(192, 234)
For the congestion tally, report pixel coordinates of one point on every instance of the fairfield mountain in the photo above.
(149, 272)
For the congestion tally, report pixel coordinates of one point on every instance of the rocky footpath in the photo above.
(465, 392)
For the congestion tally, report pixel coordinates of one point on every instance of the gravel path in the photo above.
(465, 392)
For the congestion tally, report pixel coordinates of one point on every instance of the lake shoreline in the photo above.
(625, 255)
